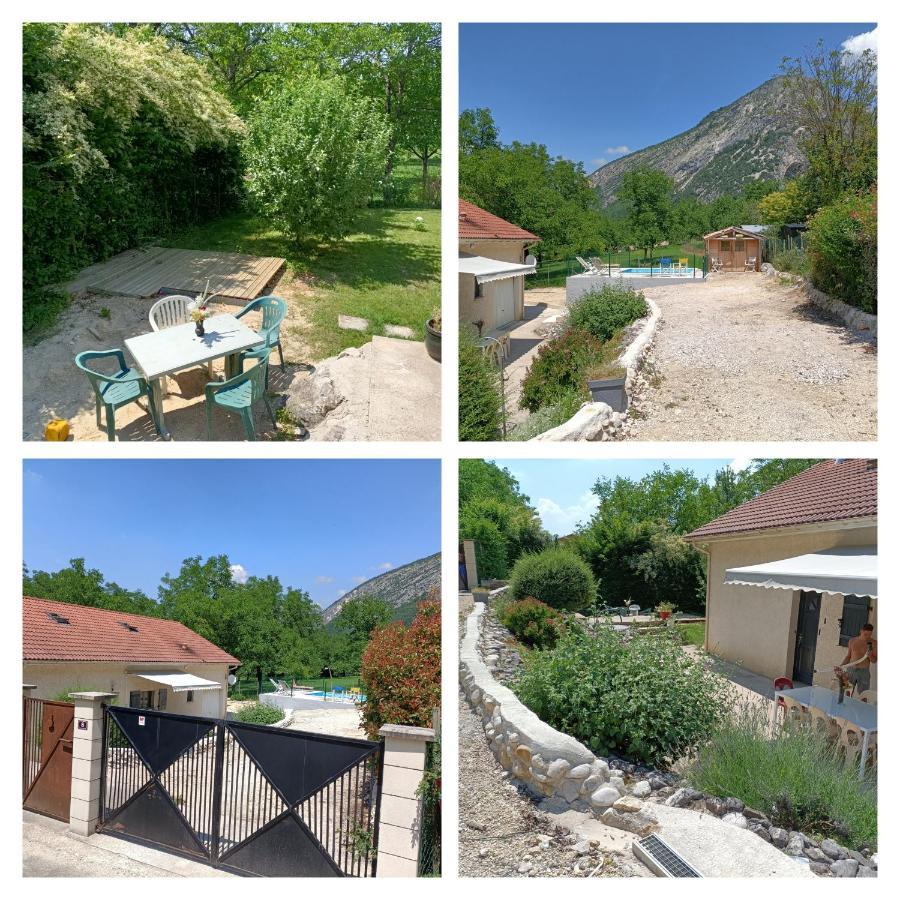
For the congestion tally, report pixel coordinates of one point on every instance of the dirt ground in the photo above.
(54, 388)
(742, 357)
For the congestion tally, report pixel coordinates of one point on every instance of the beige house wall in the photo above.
(474, 309)
(756, 627)
(54, 678)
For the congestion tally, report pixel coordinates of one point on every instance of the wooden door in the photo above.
(740, 254)
(47, 757)
(726, 253)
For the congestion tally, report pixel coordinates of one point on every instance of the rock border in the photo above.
(853, 318)
(598, 421)
(549, 763)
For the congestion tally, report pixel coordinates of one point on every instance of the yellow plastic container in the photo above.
(57, 430)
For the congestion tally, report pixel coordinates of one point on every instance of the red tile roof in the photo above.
(98, 634)
(829, 491)
(477, 223)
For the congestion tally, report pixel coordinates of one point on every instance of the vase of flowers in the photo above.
(843, 680)
(199, 314)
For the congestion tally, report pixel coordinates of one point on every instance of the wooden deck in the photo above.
(150, 271)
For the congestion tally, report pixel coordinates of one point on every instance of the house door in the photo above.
(807, 635)
(505, 301)
(47, 756)
(740, 254)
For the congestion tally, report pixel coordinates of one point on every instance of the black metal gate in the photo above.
(249, 798)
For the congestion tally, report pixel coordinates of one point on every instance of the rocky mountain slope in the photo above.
(753, 138)
(402, 587)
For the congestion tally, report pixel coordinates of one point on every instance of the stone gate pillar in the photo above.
(400, 824)
(87, 745)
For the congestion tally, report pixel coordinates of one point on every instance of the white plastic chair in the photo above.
(168, 312)
(589, 268)
(750, 264)
(869, 697)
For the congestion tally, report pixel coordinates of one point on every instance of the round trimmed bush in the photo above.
(532, 622)
(604, 312)
(259, 714)
(556, 576)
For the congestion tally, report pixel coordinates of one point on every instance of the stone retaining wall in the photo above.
(852, 317)
(598, 421)
(550, 763)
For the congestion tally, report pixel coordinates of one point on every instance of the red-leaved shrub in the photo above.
(401, 671)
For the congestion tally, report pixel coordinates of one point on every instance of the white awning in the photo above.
(180, 681)
(842, 570)
(485, 269)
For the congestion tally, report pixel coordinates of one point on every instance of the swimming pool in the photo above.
(656, 272)
(343, 696)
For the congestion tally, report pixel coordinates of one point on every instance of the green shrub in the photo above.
(604, 312)
(645, 700)
(124, 139)
(798, 779)
(480, 406)
(559, 369)
(314, 155)
(843, 251)
(534, 623)
(792, 260)
(555, 576)
(547, 417)
(490, 545)
(259, 714)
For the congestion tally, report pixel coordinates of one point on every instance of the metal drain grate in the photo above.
(662, 859)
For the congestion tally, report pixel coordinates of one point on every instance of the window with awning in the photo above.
(485, 270)
(179, 682)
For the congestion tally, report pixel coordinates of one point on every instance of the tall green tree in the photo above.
(477, 131)
(647, 194)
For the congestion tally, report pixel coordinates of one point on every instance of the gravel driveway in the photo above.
(743, 357)
(502, 833)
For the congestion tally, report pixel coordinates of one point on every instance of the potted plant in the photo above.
(607, 385)
(433, 335)
(665, 610)
(199, 314)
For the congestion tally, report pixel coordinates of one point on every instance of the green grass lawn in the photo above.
(386, 271)
(692, 633)
(553, 273)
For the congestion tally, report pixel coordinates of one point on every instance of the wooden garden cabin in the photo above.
(733, 247)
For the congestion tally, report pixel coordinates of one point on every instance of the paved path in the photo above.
(50, 850)
(743, 357)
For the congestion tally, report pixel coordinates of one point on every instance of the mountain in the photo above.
(753, 138)
(402, 587)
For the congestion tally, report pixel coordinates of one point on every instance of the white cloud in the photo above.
(359, 579)
(599, 162)
(563, 520)
(740, 463)
(857, 44)
(384, 567)
(618, 151)
(324, 579)
(239, 574)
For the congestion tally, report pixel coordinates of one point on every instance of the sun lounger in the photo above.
(589, 268)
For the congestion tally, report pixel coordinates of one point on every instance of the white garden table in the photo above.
(161, 353)
(862, 715)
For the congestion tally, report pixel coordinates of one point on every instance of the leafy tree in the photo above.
(477, 131)
(836, 95)
(359, 617)
(87, 587)
(314, 155)
(648, 195)
(789, 205)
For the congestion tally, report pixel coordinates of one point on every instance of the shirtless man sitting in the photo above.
(863, 648)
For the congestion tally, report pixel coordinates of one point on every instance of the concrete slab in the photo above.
(50, 850)
(719, 850)
(399, 331)
(353, 323)
(404, 392)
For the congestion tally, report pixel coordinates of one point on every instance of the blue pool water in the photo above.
(656, 272)
(334, 695)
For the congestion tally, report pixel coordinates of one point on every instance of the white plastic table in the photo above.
(863, 715)
(160, 353)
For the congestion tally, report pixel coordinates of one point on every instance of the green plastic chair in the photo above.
(273, 309)
(240, 392)
(112, 391)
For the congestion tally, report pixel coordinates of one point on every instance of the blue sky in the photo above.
(593, 92)
(320, 525)
(560, 490)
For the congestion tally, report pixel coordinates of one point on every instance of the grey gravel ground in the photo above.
(743, 357)
(502, 834)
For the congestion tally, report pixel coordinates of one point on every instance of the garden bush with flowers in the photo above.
(401, 671)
